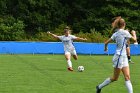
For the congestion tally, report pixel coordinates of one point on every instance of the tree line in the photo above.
(29, 20)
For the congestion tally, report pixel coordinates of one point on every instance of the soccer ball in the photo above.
(80, 68)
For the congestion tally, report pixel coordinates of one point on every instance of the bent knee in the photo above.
(127, 77)
(76, 58)
(114, 79)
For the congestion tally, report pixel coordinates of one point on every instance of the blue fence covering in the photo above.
(11, 47)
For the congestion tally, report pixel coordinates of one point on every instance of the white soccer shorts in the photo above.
(120, 61)
(73, 52)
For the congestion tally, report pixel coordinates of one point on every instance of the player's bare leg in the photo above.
(68, 57)
(128, 83)
(75, 57)
(116, 74)
(109, 80)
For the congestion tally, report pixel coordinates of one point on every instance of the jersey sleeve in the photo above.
(60, 37)
(73, 37)
(113, 37)
(128, 35)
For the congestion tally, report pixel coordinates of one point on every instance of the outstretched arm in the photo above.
(52, 34)
(78, 38)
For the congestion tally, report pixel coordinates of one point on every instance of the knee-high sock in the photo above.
(69, 63)
(129, 86)
(105, 83)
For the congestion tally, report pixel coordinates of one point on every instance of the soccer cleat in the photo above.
(70, 69)
(98, 90)
(131, 62)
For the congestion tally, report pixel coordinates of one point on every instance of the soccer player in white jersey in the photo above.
(120, 61)
(128, 50)
(128, 43)
(67, 40)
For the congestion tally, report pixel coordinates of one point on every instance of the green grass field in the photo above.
(48, 74)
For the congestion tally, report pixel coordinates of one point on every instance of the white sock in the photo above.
(69, 63)
(129, 86)
(105, 83)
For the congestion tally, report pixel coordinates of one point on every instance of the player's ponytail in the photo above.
(113, 21)
(118, 23)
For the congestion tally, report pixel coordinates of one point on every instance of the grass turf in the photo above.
(48, 74)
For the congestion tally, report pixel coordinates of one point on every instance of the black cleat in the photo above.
(98, 90)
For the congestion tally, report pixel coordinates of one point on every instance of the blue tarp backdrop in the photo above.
(11, 47)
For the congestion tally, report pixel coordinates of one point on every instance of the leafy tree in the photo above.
(11, 29)
(39, 16)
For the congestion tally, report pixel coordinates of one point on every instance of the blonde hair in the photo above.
(113, 23)
(118, 23)
(67, 30)
(113, 19)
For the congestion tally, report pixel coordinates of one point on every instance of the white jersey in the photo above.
(68, 42)
(121, 36)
